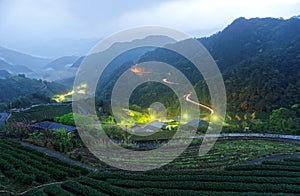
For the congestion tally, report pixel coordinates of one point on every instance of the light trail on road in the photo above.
(165, 80)
(188, 99)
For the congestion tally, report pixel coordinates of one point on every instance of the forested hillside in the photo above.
(22, 91)
(259, 60)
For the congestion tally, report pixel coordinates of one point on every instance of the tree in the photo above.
(296, 108)
(282, 119)
(67, 119)
(44, 136)
(16, 130)
(62, 140)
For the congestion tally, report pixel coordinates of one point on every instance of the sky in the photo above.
(26, 24)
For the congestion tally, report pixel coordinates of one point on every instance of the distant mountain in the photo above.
(259, 60)
(15, 69)
(60, 68)
(78, 62)
(61, 63)
(68, 82)
(4, 74)
(52, 48)
(17, 58)
(128, 57)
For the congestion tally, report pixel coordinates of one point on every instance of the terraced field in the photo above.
(225, 151)
(28, 172)
(40, 113)
(22, 167)
(269, 178)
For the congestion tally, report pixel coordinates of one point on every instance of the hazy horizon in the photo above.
(56, 28)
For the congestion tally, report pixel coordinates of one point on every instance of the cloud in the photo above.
(207, 16)
(62, 18)
(29, 23)
(34, 18)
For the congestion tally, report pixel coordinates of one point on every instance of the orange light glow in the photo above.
(253, 115)
(137, 70)
(237, 117)
(81, 89)
(229, 117)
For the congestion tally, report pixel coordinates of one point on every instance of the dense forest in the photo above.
(258, 58)
(20, 91)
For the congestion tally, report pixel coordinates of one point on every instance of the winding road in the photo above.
(165, 80)
(188, 99)
(188, 95)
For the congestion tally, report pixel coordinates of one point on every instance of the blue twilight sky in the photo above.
(40, 24)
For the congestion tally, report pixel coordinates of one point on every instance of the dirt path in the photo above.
(40, 186)
(60, 156)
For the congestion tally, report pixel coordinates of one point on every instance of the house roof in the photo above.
(53, 126)
(155, 124)
(142, 130)
(151, 127)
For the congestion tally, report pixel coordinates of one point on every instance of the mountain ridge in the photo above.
(259, 59)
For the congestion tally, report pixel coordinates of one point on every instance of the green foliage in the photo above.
(136, 108)
(265, 167)
(40, 176)
(260, 173)
(35, 192)
(261, 179)
(204, 177)
(23, 92)
(16, 129)
(210, 186)
(284, 119)
(67, 119)
(26, 165)
(106, 187)
(259, 60)
(78, 189)
(40, 113)
(55, 190)
(83, 121)
(108, 120)
(141, 118)
(279, 121)
(62, 141)
(224, 152)
(202, 129)
(115, 132)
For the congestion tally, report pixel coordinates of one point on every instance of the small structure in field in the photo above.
(152, 127)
